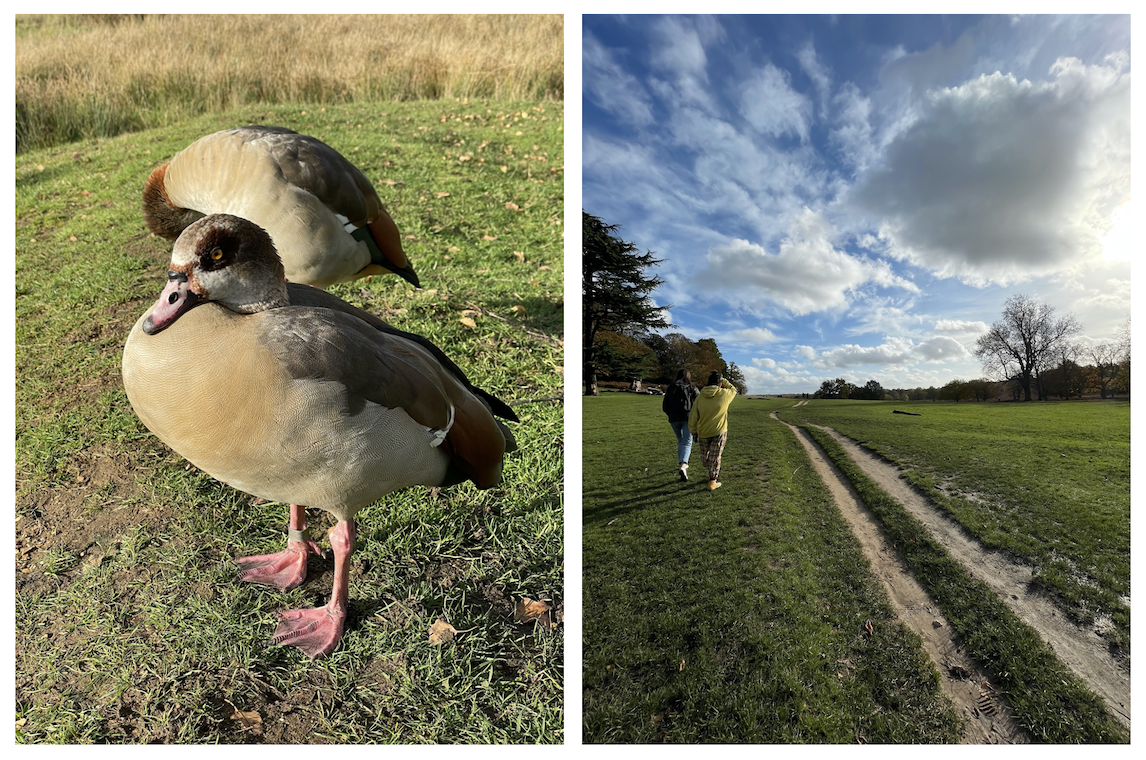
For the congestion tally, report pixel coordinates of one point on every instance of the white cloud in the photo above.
(805, 351)
(852, 135)
(770, 105)
(883, 316)
(819, 74)
(893, 352)
(960, 327)
(677, 50)
(809, 274)
(941, 348)
(612, 88)
(1000, 180)
(680, 49)
(764, 363)
(754, 335)
(936, 66)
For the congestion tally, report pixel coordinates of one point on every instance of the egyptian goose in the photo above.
(322, 213)
(291, 394)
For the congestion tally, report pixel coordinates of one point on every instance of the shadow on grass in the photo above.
(650, 496)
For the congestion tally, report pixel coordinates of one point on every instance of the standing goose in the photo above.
(323, 215)
(288, 393)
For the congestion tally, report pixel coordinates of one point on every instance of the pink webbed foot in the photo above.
(315, 631)
(285, 569)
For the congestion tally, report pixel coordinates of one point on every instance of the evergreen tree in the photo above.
(614, 290)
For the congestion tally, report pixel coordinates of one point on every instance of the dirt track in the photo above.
(987, 718)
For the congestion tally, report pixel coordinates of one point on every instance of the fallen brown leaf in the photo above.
(468, 322)
(869, 628)
(520, 310)
(247, 719)
(443, 195)
(488, 237)
(441, 632)
(528, 611)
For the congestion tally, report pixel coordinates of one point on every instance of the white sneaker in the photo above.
(684, 472)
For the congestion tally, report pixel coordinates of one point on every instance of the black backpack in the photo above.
(678, 402)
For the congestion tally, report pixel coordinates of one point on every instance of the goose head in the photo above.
(224, 259)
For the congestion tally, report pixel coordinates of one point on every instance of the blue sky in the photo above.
(857, 196)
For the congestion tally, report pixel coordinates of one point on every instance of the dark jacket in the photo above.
(678, 400)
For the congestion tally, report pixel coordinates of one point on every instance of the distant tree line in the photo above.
(1029, 353)
(619, 317)
(1065, 381)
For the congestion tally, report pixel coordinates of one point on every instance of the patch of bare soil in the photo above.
(986, 717)
(1083, 650)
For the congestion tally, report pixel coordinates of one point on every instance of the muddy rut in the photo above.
(986, 717)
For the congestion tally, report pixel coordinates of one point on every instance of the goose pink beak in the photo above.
(176, 299)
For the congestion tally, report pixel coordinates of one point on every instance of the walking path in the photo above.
(987, 718)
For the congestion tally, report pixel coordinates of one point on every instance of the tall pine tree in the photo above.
(614, 289)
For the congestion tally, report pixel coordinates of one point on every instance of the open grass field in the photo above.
(130, 626)
(85, 76)
(700, 607)
(738, 615)
(1048, 483)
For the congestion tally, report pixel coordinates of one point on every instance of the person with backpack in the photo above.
(677, 404)
(708, 423)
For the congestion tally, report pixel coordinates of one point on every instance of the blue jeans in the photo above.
(683, 440)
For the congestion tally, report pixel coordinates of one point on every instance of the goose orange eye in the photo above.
(216, 254)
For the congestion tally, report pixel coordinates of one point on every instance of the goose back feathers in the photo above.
(322, 213)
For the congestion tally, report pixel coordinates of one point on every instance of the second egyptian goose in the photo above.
(323, 215)
(288, 393)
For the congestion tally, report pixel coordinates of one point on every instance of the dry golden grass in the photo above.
(93, 76)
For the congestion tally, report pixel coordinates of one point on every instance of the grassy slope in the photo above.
(738, 615)
(130, 627)
(1049, 483)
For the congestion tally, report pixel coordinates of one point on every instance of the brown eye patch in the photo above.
(216, 250)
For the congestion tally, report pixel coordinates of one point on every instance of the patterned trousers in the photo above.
(710, 451)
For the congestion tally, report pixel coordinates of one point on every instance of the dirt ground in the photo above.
(986, 715)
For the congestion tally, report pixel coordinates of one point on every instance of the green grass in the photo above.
(1048, 483)
(1049, 701)
(737, 615)
(130, 626)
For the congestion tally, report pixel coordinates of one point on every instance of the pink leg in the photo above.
(285, 569)
(317, 631)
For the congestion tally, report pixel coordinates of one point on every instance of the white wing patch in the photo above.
(437, 436)
(345, 222)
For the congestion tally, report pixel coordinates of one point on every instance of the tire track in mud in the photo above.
(1080, 649)
(987, 719)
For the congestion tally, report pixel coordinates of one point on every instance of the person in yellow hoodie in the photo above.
(708, 423)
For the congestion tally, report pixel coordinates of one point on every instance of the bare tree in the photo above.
(1107, 358)
(1024, 342)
